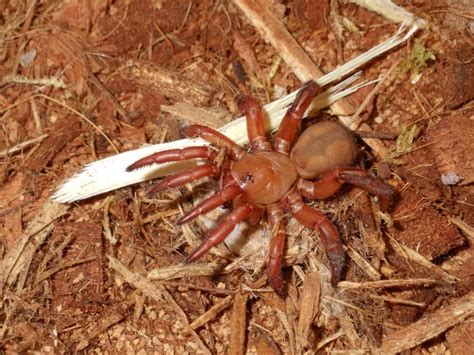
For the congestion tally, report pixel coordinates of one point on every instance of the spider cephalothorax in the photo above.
(274, 179)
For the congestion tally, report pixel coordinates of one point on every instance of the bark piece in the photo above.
(170, 83)
(451, 142)
(429, 326)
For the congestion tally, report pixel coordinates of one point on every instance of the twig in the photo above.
(108, 95)
(363, 264)
(102, 325)
(20, 146)
(275, 32)
(48, 273)
(212, 312)
(20, 79)
(348, 285)
(391, 11)
(397, 300)
(405, 251)
(81, 116)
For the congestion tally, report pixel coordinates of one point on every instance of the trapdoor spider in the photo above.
(274, 179)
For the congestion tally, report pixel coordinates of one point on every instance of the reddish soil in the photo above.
(106, 64)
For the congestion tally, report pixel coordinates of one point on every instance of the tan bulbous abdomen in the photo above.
(322, 147)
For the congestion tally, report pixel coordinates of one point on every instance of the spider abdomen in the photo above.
(322, 147)
(266, 176)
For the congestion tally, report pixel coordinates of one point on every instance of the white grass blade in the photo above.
(109, 174)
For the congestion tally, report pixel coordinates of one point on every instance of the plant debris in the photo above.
(82, 81)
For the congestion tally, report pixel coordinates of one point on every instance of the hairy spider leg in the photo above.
(222, 196)
(226, 225)
(289, 126)
(255, 129)
(171, 155)
(277, 245)
(180, 179)
(311, 218)
(332, 181)
(215, 137)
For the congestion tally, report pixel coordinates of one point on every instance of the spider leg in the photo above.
(171, 155)
(289, 126)
(224, 228)
(312, 218)
(332, 181)
(277, 245)
(179, 179)
(219, 198)
(255, 129)
(216, 137)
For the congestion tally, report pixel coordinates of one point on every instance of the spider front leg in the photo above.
(291, 123)
(277, 246)
(225, 227)
(331, 241)
(218, 199)
(255, 129)
(180, 179)
(215, 137)
(171, 155)
(332, 181)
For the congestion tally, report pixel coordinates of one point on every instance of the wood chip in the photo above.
(238, 325)
(170, 83)
(266, 346)
(211, 117)
(18, 258)
(212, 312)
(429, 326)
(309, 306)
(102, 325)
(178, 271)
(363, 264)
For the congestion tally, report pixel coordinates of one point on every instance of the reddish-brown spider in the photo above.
(274, 179)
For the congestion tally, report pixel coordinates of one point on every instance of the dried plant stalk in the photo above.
(348, 285)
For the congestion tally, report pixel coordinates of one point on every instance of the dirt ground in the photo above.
(106, 274)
